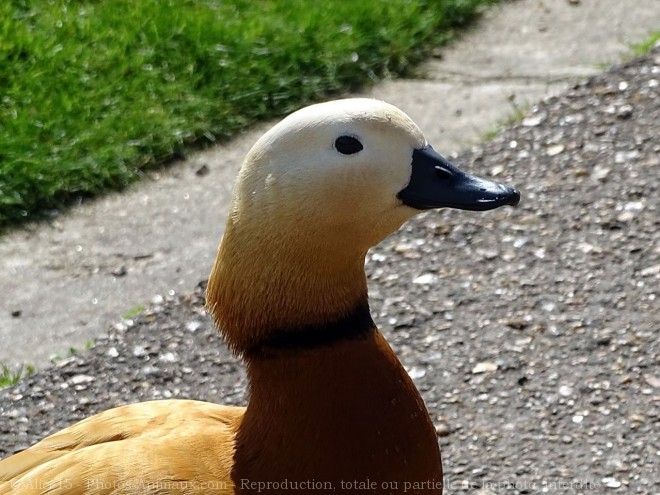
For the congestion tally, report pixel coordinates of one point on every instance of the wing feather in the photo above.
(171, 446)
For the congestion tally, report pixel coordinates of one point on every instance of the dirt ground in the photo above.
(532, 333)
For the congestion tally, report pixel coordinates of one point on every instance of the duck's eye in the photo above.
(348, 145)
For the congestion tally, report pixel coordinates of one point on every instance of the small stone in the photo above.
(496, 170)
(483, 367)
(461, 484)
(549, 307)
(442, 430)
(112, 352)
(633, 206)
(202, 171)
(16, 313)
(81, 379)
(416, 372)
(425, 279)
(120, 271)
(652, 380)
(555, 149)
(193, 326)
(577, 418)
(625, 379)
(630, 210)
(519, 344)
(624, 112)
(533, 121)
(626, 156)
(567, 439)
(168, 357)
(150, 370)
(488, 254)
(625, 216)
(636, 420)
(139, 351)
(120, 326)
(650, 271)
(406, 321)
(402, 248)
(611, 482)
(565, 391)
(516, 323)
(520, 242)
(600, 173)
(585, 247)
(574, 118)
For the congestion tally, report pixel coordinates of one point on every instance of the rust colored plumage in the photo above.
(337, 414)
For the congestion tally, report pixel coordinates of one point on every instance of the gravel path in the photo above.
(531, 332)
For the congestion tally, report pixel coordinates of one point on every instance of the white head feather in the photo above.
(294, 176)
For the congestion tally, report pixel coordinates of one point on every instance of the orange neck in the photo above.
(295, 284)
(336, 413)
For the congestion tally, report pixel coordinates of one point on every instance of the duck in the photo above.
(330, 406)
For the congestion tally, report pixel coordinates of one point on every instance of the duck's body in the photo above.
(330, 405)
(347, 414)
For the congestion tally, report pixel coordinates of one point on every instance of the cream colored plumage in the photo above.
(329, 400)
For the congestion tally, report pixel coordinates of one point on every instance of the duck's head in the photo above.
(357, 166)
(315, 193)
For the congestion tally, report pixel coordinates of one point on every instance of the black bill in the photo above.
(437, 183)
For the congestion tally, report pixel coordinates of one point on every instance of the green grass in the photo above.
(93, 93)
(646, 45)
(9, 377)
(516, 114)
(133, 312)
